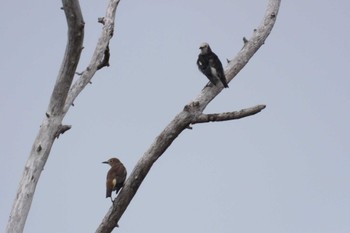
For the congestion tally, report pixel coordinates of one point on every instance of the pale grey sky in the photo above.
(285, 169)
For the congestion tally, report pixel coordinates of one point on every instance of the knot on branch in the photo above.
(245, 40)
(101, 20)
(192, 107)
(39, 148)
(62, 129)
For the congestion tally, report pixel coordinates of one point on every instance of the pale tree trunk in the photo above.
(64, 94)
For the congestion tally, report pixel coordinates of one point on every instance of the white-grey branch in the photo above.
(52, 123)
(192, 112)
(98, 56)
(61, 99)
(227, 116)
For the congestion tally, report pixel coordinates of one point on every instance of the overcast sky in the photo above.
(285, 169)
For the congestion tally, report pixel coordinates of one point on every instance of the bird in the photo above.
(210, 65)
(115, 177)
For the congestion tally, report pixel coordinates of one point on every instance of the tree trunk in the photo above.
(63, 96)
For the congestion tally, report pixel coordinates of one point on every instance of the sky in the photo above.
(285, 169)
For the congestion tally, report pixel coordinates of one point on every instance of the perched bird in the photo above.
(115, 176)
(210, 65)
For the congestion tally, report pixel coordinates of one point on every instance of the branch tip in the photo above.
(227, 116)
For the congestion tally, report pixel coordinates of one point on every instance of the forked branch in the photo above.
(62, 98)
(100, 58)
(51, 126)
(192, 112)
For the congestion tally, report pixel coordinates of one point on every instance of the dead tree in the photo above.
(62, 98)
(65, 92)
(191, 114)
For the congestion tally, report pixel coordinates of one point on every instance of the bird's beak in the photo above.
(105, 162)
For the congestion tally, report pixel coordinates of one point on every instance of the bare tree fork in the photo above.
(100, 57)
(61, 99)
(192, 112)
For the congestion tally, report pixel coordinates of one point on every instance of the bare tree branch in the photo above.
(52, 121)
(226, 116)
(71, 57)
(61, 99)
(191, 112)
(98, 56)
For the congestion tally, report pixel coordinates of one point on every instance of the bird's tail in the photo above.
(224, 82)
(108, 193)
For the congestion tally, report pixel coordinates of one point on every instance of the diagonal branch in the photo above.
(71, 57)
(183, 119)
(62, 98)
(101, 54)
(52, 121)
(226, 116)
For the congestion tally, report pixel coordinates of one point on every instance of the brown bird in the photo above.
(115, 177)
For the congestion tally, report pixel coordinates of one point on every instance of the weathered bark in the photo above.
(61, 99)
(52, 121)
(65, 93)
(192, 113)
(226, 116)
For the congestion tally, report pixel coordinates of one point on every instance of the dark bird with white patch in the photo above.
(210, 65)
(115, 177)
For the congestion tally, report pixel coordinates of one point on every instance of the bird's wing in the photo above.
(215, 63)
(203, 63)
